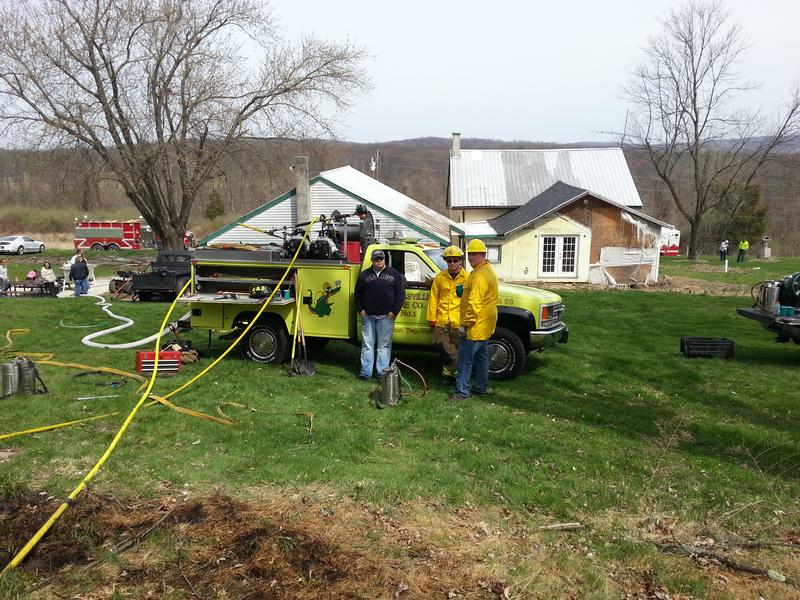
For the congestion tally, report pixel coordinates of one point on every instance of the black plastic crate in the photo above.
(706, 347)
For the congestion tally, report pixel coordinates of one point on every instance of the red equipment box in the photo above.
(168, 362)
(352, 252)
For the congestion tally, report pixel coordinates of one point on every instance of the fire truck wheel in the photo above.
(112, 247)
(97, 247)
(267, 343)
(506, 354)
(41, 249)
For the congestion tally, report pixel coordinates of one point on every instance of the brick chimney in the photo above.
(302, 192)
(456, 151)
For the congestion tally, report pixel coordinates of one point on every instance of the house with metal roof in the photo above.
(568, 233)
(485, 183)
(396, 216)
(555, 214)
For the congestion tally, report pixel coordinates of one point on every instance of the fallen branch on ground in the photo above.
(694, 551)
(561, 527)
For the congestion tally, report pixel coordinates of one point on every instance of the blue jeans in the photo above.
(376, 340)
(81, 286)
(473, 359)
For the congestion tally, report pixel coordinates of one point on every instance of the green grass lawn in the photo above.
(611, 428)
(709, 268)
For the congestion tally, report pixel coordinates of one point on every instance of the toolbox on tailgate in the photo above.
(168, 362)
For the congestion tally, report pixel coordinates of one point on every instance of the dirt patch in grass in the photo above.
(688, 285)
(675, 284)
(315, 544)
(222, 547)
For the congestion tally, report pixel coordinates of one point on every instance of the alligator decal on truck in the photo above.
(322, 304)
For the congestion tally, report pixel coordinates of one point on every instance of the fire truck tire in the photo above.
(21, 250)
(267, 343)
(97, 247)
(112, 247)
(41, 249)
(506, 354)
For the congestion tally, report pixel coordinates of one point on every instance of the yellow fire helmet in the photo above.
(476, 246)
(452, 252)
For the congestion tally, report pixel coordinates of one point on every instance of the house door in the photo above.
(558, 256)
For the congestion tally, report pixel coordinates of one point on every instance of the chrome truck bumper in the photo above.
(543, 338)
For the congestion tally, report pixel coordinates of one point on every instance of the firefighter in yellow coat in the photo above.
(478, 320)
(444, 308)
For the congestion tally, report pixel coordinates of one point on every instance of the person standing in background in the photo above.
(79, 273)
(743, 247)
(723, 250)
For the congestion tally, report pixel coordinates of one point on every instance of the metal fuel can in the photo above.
(9, 379)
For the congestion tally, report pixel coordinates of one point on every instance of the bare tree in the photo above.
(687, 94)
(161, 90)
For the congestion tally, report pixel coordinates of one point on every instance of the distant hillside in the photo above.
(258, 171)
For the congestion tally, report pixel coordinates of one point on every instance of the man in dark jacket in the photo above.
(79, 273)
(379, 295)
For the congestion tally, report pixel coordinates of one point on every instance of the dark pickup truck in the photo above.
(168, 273)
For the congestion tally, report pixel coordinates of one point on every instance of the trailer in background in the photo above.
(670, 241)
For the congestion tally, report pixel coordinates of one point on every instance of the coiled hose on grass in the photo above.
(126, 322)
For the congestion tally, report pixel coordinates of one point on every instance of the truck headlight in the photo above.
(550, 314)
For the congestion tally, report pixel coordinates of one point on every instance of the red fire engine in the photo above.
(108, 235)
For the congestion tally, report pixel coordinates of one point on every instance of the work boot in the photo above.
(456, 398)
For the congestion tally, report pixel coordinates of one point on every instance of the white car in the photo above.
(19, 244)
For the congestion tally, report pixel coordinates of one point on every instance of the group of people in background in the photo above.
(78, 274)
(461, 312)
(744, 246)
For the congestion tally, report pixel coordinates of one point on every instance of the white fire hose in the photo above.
(105, 305)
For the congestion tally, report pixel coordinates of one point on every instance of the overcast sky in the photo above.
(524, 70)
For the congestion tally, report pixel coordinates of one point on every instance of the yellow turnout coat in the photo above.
(479, 303)
(444, 305)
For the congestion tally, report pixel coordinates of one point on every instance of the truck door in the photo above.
(411, 326)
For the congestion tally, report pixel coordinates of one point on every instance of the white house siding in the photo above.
(279, 215)
(520, 251)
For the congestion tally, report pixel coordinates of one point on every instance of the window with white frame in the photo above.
(494, 254)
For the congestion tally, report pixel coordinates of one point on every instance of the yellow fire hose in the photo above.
(20, 556)
(5, 436)
(253, 320)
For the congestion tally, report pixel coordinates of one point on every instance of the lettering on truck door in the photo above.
(411, 326)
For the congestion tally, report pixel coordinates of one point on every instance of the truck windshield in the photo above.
(435, 254)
